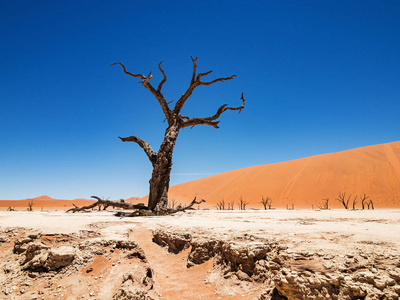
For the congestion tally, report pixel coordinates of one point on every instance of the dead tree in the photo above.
(344, 200)
(370, 204)
(325, 205)
(162, 160)
(231, 205)
(30, 205)
(242, 203)
(10, 209)
(266, 202)
(221, 205)
(355, 201)
(364, 199)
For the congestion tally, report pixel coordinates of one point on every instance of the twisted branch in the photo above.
(151, 154)
(156, 93)
(162, 81)
(195, 82)
(211, 121)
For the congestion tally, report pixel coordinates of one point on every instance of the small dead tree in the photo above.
(162, 160)
(370, 204)
(10, 209)
(221, 204)
(30, 205)
(242, 203)
(355, 201)
(344, 200)
(325, 205)
(231, 205)
(364, 199)
(266, 202)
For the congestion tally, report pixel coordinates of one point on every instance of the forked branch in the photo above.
(212, 121)
(195, 82)
(172, 211)
(156, 93)
(144, 145)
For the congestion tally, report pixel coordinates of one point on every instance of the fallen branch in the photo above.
(141, 210)
(172, 211)
(99, 202)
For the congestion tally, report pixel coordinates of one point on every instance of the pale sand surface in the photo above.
(298, 225)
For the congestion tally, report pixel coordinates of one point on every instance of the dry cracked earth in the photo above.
(175, 263)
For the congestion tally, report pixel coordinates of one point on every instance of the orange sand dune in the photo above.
(44, 202)
(374, 170)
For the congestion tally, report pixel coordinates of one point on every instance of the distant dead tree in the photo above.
(162, 160)
(266, 202)
(370, 204)
(242, 203)
(325, 205)
(10, 208)
(290, 208)
(231, 205)
(30, 205)
(364, 199)
(221, 204)
(355, 201)
(344, 200)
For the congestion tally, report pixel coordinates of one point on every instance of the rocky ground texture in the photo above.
(155, 258)
(287, 274)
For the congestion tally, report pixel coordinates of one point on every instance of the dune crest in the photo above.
(304, 182)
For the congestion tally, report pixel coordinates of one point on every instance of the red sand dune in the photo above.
(374, 170)
(44, 202)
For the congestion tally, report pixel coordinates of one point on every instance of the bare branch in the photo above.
(144, 145)
(171, 211)
(194, 69)
(156, 93)
(211, 121)
(129, 73)
(164, 79)
(216, 80)
(195, 82)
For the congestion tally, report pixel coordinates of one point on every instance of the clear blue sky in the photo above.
(318, 76)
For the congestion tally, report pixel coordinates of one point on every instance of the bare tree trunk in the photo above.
(159, 182)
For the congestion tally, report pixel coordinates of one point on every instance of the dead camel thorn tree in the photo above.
(345, 200)
(266, 202)
(162, 160)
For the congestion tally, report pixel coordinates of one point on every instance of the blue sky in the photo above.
(318, 77)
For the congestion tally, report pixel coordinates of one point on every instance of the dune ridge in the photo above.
(373, 170)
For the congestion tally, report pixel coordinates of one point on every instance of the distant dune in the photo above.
(304, 182)
(374, 170)
(47, 202)
(44, 202)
